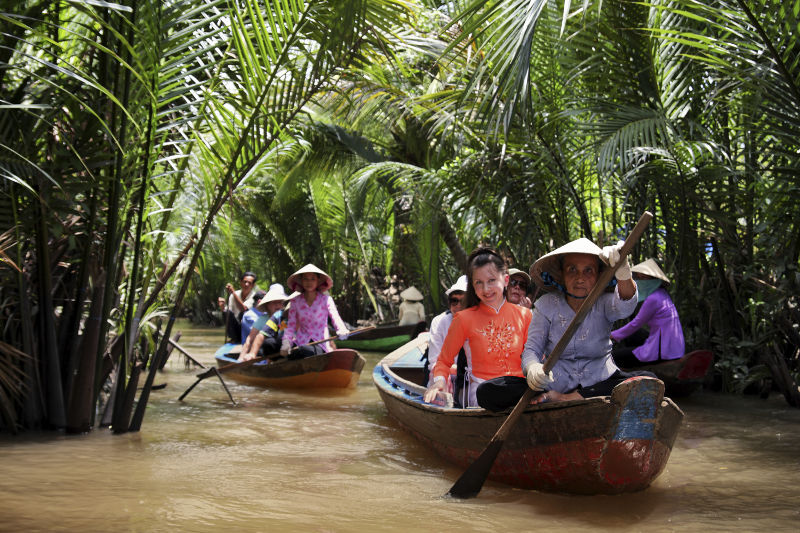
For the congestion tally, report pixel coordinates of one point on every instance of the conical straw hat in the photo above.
(551, 262)
(294, 280)
(649, 267)
(274, 293)
(412, 294)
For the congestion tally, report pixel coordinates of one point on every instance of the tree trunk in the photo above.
(451, 240)
(80, 414)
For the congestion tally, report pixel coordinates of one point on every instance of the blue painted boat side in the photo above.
(383, 380)
(638, 416)
(226, 349)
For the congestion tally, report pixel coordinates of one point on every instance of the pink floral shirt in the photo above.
(308, 323)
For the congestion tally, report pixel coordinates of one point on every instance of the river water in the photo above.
(334, 462)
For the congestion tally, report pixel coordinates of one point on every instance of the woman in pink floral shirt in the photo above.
(309, 313)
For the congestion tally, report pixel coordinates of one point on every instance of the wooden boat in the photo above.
(381, 339)
(682, 376)
(336, 369)
(607, 445)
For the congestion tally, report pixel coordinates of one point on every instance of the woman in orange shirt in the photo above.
(495, 328)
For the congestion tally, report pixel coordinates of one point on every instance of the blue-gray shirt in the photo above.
(587, 358)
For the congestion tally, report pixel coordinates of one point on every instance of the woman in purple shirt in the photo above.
(665, 338)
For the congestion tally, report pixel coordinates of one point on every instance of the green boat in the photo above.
(382, 338)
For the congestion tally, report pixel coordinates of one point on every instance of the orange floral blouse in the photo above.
(496, 340)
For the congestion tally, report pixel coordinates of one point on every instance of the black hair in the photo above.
(480, 257)
(248, 273)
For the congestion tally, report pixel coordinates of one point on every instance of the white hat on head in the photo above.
(274, 293)
(649, 267)
(517, 272)
(412, 294)
(551, 263)
(294, 280)
(459, 285)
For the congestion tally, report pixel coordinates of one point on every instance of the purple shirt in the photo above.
(666, 334)
(587, 358)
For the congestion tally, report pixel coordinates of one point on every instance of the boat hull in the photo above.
(606, 445)
(682, 376)
(380, 339)
(337, 369)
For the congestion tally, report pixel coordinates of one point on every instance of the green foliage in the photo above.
(125, 129)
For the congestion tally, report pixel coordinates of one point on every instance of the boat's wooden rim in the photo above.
(411, 393)
(222, 356)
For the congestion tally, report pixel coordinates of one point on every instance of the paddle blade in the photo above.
(471, 481)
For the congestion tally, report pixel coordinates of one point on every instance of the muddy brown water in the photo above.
(335, 462)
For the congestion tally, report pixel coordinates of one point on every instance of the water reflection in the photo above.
(289, 461)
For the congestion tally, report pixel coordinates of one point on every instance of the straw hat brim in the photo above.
(412, 294)
(649, 267)
(294, 280)
(551, 262)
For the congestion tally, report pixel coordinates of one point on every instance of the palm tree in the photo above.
(684, 108)
(112, 112)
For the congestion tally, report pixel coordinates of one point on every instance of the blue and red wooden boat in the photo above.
(607, 445)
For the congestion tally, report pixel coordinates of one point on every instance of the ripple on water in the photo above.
(288, 461)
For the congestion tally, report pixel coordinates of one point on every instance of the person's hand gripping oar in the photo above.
(471, 481)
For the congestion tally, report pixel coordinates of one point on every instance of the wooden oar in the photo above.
(184, 352)
(214, 371)
(471, 481)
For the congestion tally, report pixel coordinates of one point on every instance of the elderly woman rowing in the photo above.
(585, 368)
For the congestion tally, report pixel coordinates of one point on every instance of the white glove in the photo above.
(610, 256)
(286, 346)
(343, 335)
(537, 379)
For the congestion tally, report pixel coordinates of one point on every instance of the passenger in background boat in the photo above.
(267, 332)
(518, 283)
(665, 338)
(309, 312)
(441, 323)
(585, 368)
(238, 302)
(494, 327)
(251, 315)
(411, 309)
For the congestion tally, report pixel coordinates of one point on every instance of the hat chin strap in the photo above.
(550, 281)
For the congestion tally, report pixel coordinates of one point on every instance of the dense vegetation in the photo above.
(152, 150)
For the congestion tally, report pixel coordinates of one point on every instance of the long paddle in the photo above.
(187, 354)
(471, 481)
(214, 371)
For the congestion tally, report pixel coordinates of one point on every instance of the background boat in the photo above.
(605, 445)
(682, 376)
(335, 369)
(382, 338)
